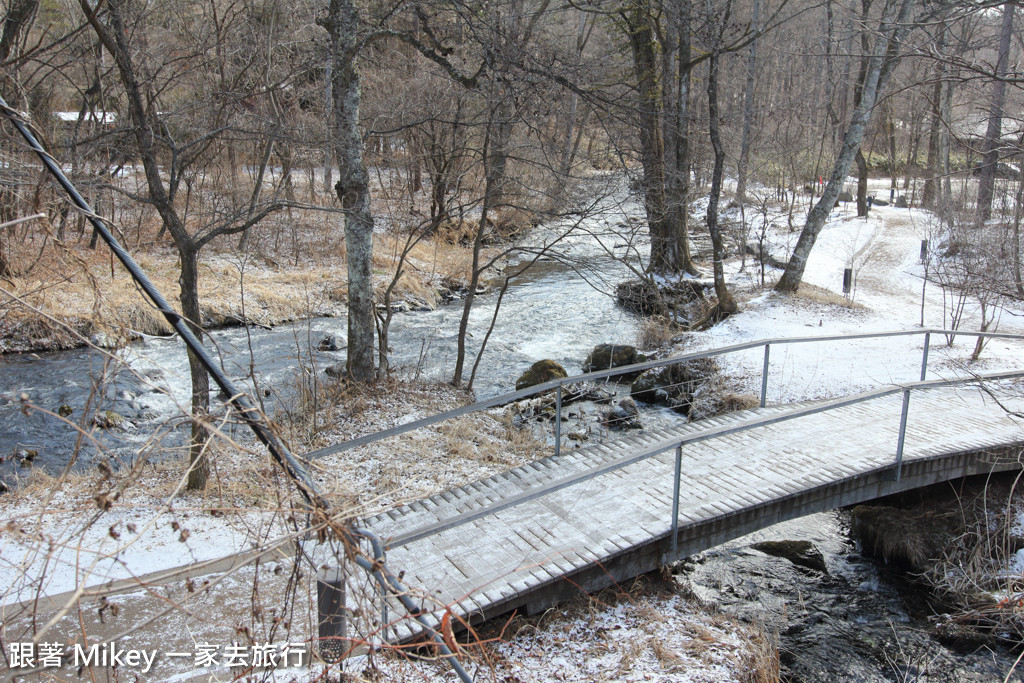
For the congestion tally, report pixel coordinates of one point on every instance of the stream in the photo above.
(858, 622)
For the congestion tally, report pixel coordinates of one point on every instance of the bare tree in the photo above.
(993, 133)
(893, 26)
(151, 134)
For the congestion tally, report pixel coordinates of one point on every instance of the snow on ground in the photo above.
(57, 540)
(884, 252)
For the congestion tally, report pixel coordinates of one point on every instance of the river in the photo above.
(857, 622)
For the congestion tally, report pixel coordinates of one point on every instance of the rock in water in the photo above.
(108, 419)
(623, 416)
(328, 343)
(801, 553)
(607, 356)
(540, 372)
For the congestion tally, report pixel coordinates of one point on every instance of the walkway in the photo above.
(530, 537)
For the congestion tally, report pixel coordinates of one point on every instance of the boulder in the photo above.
(540, 372)
(880, 202)
(607, 356)
(901, 202)
(624, 415)
(108, 419)
(26, 456)
(328, 343)
(337, 371)
(800, 553)
(846, 196)
(672, 385)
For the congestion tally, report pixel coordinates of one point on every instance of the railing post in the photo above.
(675, 502)
(330, 607)
(764, 375)
(903, 433)
(558, 421)
(924, 355)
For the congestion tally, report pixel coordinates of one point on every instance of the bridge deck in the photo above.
(540, 546)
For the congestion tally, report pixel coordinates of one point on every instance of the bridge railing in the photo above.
(558, 385)
(756, 420)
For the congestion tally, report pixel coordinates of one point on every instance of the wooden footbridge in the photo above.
(581, 520)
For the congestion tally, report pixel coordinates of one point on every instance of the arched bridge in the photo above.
(534, 535)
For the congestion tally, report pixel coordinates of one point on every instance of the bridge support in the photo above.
(903, 433)
(675, 503)
(330, 606)
(764, 375)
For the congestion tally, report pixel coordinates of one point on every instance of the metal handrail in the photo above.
(558, 384)
(714, 432)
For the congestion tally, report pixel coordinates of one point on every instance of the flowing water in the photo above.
(858, 622)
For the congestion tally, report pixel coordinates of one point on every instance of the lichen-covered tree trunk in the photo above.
(652, 149)
(678, 188)
(893, 27)
(353, 186)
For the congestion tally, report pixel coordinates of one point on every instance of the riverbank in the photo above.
(66, 295)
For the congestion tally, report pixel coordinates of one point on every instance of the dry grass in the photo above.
(819, 295)
(656, 332)
(648, 631)
(93, 295)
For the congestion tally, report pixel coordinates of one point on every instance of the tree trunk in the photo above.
(678, 189)
(892, 28)
(990, 159)
(748, 111)
(652, 150)
(726, 302)
(18, 20)
(930, 193)
(199, 466)
(490, 176)
(353, 187)
(862, 183)
(116, 41)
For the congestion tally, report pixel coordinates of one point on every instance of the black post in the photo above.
(847, 280)
(924, 251)
(330, 607)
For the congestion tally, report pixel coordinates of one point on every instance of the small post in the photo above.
(558, 421)
(764, 375)
(924, 251)
(330, 607)
(924, 355)
(847, 280)
(903, 434)
(675, 502)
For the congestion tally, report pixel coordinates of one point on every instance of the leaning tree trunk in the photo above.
(893, 28)
(353, 186)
